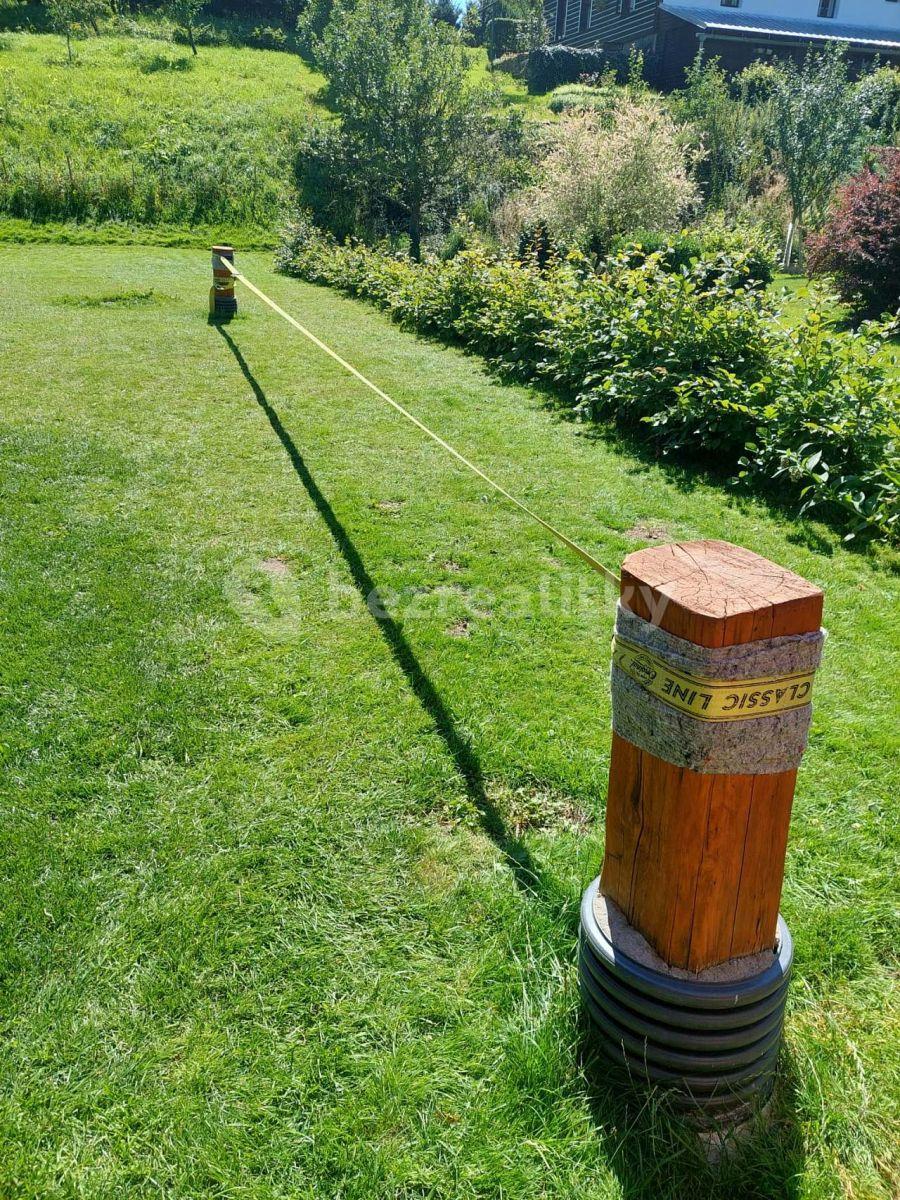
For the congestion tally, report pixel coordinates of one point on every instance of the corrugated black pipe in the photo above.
(714, 1045)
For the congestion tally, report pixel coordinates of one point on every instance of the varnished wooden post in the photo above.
(695, 862)
(222, 301)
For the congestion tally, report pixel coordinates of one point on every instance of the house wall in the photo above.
(600, 22)
(879, 14)
(677, 45)
(603, 22)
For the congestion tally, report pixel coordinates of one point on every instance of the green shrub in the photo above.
(502, 36)
(268, 37)
(878, 94)
(747, 255)
(550, 66)
(693, 359)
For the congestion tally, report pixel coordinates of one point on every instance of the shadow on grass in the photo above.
(527, 873)
(656, 1154)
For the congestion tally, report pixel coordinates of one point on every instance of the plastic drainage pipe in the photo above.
(715, 1044)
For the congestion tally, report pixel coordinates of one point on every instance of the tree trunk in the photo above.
(415, 232)
(190, 33)
(793, 239)
(788, 247)
(69, 43)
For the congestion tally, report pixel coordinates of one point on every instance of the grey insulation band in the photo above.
(762, 746)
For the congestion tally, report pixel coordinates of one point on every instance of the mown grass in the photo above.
(138, 130)
(291, 890)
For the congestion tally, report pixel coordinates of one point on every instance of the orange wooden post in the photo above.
(696, 861)
(684, 961)
(222, 301)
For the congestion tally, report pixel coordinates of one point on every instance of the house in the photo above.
(671, 32)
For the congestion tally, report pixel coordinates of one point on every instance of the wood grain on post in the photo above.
(696, 861)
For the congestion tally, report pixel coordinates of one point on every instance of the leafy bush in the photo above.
(268, 37)
(600, 179)
(721, 126)
(550, 66)
(756, 84)
(693, 359)
(747, 254)
(878, 94)
(503, 36)
(860, 244)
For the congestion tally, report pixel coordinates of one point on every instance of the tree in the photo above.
(473, 23)
(721, 125)
(817, 132)
(444, 10)
(397, 79)
(184, 14)
(69, 17)
(533, 30)
(311, 24)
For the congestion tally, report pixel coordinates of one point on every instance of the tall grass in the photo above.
(141, 131)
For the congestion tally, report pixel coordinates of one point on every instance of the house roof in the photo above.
(827, 29)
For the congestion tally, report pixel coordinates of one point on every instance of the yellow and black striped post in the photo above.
(222, 302)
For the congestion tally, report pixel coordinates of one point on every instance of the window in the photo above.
(560, 19)
(731, 3)
(584, 15)
(625, 8)
(827, 8)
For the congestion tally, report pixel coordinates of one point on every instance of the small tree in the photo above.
(408, 119)
(860, 243)
(817, 132)
(721, 125)
(533, 31)
(473, 23)
(69, 18)
(184, 14)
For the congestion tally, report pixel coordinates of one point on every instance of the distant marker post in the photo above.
(222, 300)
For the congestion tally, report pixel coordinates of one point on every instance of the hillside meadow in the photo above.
(139, 130)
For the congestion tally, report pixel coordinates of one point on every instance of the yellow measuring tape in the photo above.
(711, 699)
(566, 541)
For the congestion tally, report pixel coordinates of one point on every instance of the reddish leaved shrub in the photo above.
(860, 243)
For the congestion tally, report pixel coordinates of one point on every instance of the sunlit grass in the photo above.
(290, 892)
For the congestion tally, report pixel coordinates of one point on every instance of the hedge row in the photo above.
(695, 359)
(550, 66)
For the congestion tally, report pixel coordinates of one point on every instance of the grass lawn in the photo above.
(794, 290)
(290, 889)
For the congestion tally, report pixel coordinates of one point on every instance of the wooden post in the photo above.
(696, 861)
(222, 301)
